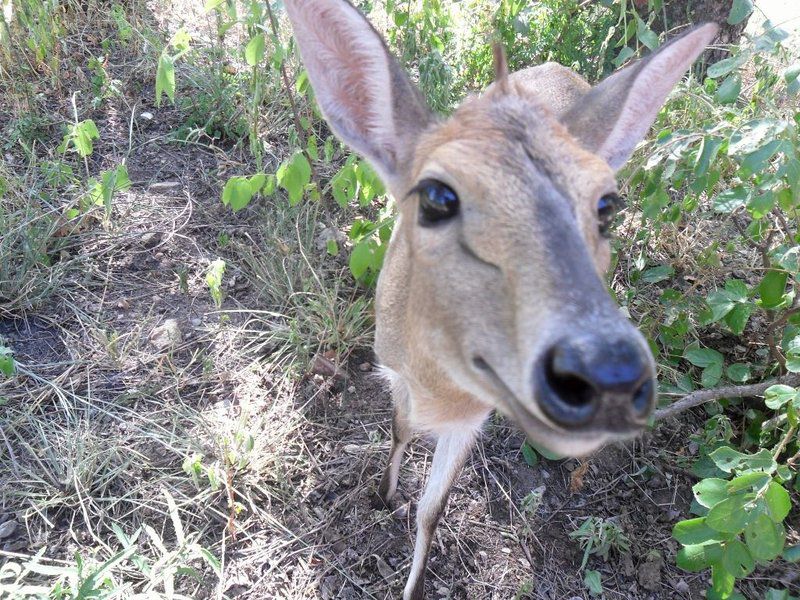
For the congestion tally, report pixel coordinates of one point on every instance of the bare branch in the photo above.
(729, 391)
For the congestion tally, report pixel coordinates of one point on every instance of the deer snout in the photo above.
(596, 383)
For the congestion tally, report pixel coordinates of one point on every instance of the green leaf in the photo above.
(710, 492)
(529, 454)
(776, 396)
(757, 479)
(729, 200)
(695, 558)
(777, 501)
(722, 581)
(772, 288)
(646, 35)
(790, 75)
(237, 193)
(726, 458)
(732, 514)
(737, 318)
(711, 375)
(695, 532)
(703, 357)
(739, 372)
(764, 538)
(723, 67)
(7, 366)
(792, 553)
(293, 175)
(593, 582)
(165, 78)
(360, 259)
(657, 274)
(254, 52)
(753, 135)
(728, 91)
(740, 10)
(737, 559)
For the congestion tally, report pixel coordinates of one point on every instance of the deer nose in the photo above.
(596, 382)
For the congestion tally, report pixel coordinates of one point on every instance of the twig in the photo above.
(730, 391)
(784, 441)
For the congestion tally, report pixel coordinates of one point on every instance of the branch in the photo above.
(730, 391)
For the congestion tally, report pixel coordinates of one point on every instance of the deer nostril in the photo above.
(565, 397)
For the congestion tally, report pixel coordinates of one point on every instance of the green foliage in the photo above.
(7, 367)
(80, 136)
(598, 536)
(214, 275)
(165, 75)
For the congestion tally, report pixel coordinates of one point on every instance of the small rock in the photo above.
(505, 550)
(649, 575)
(325, 367)
(168, 335)
(196, 322)
(147, 116)
(164, 186)
(15, 545)
(682, 587)
(7, 529)
(150, 238)
(365, 366)
(351, 389)
(329, 234)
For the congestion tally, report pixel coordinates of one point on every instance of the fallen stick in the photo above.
(730, 391)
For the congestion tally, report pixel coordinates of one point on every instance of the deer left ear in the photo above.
(615, 115)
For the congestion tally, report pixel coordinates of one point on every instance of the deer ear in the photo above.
(362, 91)
(615, 115)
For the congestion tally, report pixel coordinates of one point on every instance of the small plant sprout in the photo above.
(532, 501)
(599, 536)
(214, 276)
(7, 366)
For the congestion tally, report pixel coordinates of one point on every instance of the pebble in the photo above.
(166, 335)
(365, 366)
(7, 529)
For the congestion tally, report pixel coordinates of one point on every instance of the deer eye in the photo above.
(607, 208)
(437, 202)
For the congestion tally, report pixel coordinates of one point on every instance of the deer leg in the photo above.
(401, 434)
(451, 453)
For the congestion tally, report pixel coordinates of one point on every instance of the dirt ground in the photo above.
(138, 370)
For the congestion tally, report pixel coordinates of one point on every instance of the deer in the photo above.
(491, 296)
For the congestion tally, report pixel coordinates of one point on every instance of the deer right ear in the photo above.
(363, 93)
(615, 115)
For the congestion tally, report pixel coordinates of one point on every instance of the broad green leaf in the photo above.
(165, 78)
(624, 54)
(709, 148)
(646, 35)
(790, 75)
(726, 458)
(703, 357)
(777, 501)
(711, 491)
(772, 288)
(657, 274)
(695, 558)
(360, 259)
(293, 176)
(753, 135)
(725, 66)
(695, 532)
(711, 375)
(737, 318)
(728, 91)
(732, 514)
(729, 200)
(237, 193)
(761, 461)
(773, 594)
(722, 582)
(777, 395)
(737, 559)
(254, 52)
(738, 372)
(755, 479)
(764, 538)
(740, 10)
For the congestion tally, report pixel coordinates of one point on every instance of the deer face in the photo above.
(505, 220)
